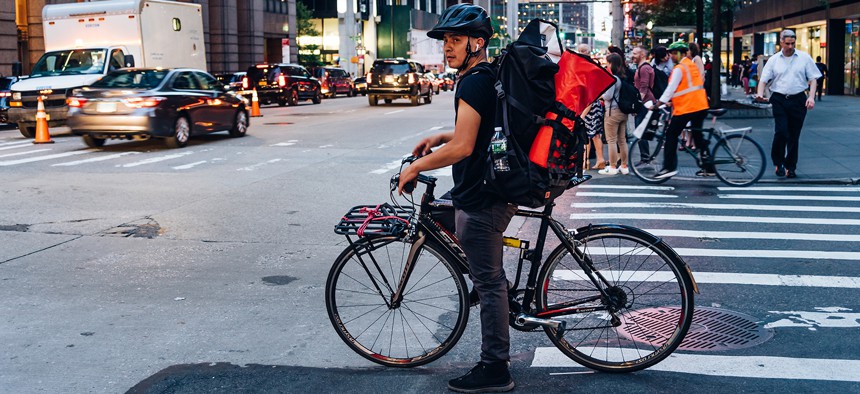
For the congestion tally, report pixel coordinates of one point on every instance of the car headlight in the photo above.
(16, 96)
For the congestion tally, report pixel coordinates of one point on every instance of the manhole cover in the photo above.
(712, 328)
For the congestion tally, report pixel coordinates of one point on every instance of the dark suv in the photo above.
(282, 83)
(398, 78)
(334, 81)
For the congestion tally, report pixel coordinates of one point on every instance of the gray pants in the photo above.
(480, 234)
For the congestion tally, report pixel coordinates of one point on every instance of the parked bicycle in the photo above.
(613, 298)
(738, 159)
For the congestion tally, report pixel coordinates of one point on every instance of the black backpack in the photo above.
(525, 87)
(661, 81)
(628, 98)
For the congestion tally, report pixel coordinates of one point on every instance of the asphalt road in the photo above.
(138, 268)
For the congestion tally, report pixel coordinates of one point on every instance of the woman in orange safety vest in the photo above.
(689, 105)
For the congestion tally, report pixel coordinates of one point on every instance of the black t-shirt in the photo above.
(476, 88)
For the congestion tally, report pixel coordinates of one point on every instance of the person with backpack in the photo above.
(615, 121)
(689, 105)
(644, 79)
(480, 218)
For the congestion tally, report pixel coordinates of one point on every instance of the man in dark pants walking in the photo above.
(480, 219)
(789, 73)
(822, 68)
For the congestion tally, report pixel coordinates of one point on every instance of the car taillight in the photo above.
(5, 94)
(143, 102)
(369, 78)
(76, 102)
(411, 78)
(245, 83)
(282, 80)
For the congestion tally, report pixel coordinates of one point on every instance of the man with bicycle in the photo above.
(689, 105)
(480, 219)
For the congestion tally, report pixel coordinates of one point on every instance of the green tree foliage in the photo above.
(675, 12)
(305, 28)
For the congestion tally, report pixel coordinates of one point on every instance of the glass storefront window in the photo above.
(852, 57)
(770, 41)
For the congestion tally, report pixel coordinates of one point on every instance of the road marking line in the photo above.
(755, 235)
(745, 253)
(764, 367)
(792, 189)
(284, 144)
(434, 128)
(623, 195)
(27, 144)
(17, 143)
(829, 317)
(46, 157)
(445, 171)
(29, 152)
(388, 167)
(258, 165)
(156, 159)
(394, 112)
(593, 186)
(326, 146)
(739, 207)
(783, 197)
(187, 166)
(94, 159)
(727, 278)
(715, 218)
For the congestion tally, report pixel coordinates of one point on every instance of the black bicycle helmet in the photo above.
(467, 19)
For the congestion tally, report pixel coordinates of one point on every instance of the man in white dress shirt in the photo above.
(789, 73)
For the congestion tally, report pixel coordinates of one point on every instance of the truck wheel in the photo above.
(387, 101)
(415, 100)
(93, 142)
(373, 100)
(27, 132)
(240, 124)
(181, 133)
(293, 98)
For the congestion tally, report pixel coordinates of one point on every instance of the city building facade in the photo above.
(826, 28)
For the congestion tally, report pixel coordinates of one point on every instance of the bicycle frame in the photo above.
(425, 227)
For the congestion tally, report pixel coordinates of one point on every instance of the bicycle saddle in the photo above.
(717, 112)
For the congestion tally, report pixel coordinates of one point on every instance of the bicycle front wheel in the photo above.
(648, 306)
(738, 160)
(647, 159)
(416, 330)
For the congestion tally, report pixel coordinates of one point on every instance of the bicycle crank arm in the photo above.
(558, 325)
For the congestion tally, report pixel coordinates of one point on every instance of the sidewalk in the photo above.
(829, 142)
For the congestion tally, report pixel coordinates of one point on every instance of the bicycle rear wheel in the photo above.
(738, 160)
(647, 313)
(422, 327)
(647, 157)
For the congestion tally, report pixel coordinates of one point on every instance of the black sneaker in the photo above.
(484, 378)
(780, 171)
(665, 173)
(790, 174)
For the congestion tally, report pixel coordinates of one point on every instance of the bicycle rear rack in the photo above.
(377, 220)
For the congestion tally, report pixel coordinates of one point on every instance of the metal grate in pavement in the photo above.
(713, 329)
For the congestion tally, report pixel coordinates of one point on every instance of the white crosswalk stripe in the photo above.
(46, 157)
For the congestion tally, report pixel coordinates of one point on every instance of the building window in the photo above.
(277, 6)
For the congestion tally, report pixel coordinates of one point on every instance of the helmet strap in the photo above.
(469, 55)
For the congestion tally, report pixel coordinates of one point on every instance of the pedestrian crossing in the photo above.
(747, 243)
(64, 153)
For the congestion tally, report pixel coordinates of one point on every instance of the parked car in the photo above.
(360, 84)
(139, 103)
(282, 83)
(435, 82)
(391, 79)
(233, 81)
(449, 81)
(5, 96)
(334, 81)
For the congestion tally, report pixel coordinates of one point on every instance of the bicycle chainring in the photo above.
(516, 306)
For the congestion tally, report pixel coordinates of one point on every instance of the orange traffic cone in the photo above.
(255, 105)
(42, 134)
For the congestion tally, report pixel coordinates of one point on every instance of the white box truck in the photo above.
(85, 41)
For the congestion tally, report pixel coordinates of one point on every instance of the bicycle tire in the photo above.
(656, 313)
(431, 317)
(738, 160)
(647, 165)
